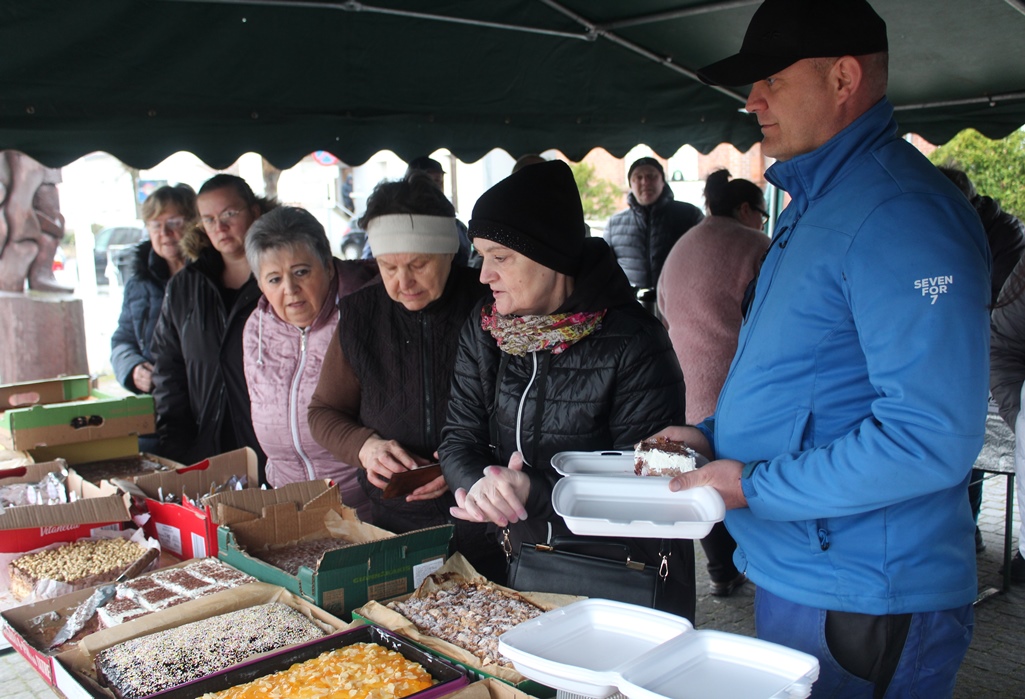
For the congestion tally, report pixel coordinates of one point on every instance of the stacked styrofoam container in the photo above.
(599, 648)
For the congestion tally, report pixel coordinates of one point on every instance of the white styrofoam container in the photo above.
(577, 648)
(723, 665)
(636, 507)
(602, 463)
(598, 647)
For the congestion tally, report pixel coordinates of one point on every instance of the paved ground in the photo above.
(994, 667)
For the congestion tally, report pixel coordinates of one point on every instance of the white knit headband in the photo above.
(412, 233)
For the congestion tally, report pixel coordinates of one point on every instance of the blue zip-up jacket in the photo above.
(858, 394)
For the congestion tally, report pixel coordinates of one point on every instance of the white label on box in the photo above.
(198, 546)
(106, 527)
(170, 537)
(421, 571)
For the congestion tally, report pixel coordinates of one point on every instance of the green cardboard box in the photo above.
(378, 565)
(46, 414)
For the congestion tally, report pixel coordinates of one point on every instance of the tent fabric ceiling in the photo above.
(142, 79)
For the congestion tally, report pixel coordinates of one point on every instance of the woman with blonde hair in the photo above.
(202, 402)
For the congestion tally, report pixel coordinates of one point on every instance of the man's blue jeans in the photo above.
(926, 664)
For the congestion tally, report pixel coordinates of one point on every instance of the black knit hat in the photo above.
(650, 162)
(537, 213)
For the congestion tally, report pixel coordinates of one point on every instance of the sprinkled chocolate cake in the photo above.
(159, 661)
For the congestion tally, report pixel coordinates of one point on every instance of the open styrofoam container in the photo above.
(598, 648)
(577, 648)
(636, 507)
(602, 463)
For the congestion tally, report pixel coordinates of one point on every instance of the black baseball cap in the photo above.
(783, 32)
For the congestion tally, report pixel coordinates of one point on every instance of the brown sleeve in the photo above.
(334, 409)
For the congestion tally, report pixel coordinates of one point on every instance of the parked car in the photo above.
(117, 244)
(353, 241)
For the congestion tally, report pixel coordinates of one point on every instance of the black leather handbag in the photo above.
(588, 567)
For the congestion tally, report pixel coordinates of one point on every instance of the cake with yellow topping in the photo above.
(359, 671)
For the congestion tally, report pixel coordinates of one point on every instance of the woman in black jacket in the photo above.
(560, 357)
(199, 384)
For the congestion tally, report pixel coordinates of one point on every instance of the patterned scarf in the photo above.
(518, 335)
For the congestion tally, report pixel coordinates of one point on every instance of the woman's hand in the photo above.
(499, 497)
(384, 457)
(429, 491)
(142, 377)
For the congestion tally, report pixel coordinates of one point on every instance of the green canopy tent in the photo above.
(142, 79)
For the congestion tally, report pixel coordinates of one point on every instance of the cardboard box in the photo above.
(27, 528)
(447, 677)
(93, 417)
(61, 390)
(86, 484)
(73, 670)
(31, 473)
(30, 627)
(380, 565)
(456, 571)
(84, 452)
(187, 530)
(490, 688)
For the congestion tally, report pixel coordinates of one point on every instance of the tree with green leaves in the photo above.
(597, 195)
(996, 168)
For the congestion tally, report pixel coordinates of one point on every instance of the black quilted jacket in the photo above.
(199, 384)
(642, 236)
(617, 386)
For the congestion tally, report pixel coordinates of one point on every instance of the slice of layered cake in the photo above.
(660, 456)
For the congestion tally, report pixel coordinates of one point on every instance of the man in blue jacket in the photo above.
(856, 402)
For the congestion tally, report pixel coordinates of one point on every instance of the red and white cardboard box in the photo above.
(29, 638)
(27, 528)
(187, 530)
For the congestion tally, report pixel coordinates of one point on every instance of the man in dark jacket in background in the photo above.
(643, 235)
(1005, 234)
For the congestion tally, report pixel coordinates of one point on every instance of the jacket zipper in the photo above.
(519, 409)
(428, 381)
(293, 413)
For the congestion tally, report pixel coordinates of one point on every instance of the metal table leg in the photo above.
(1008, 524)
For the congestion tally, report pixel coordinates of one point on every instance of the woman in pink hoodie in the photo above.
(285, 340)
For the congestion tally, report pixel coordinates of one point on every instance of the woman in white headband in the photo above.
(384, 386)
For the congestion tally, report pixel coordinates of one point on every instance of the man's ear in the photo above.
(845, 78)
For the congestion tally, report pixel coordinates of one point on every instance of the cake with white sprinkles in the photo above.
(159, 661)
